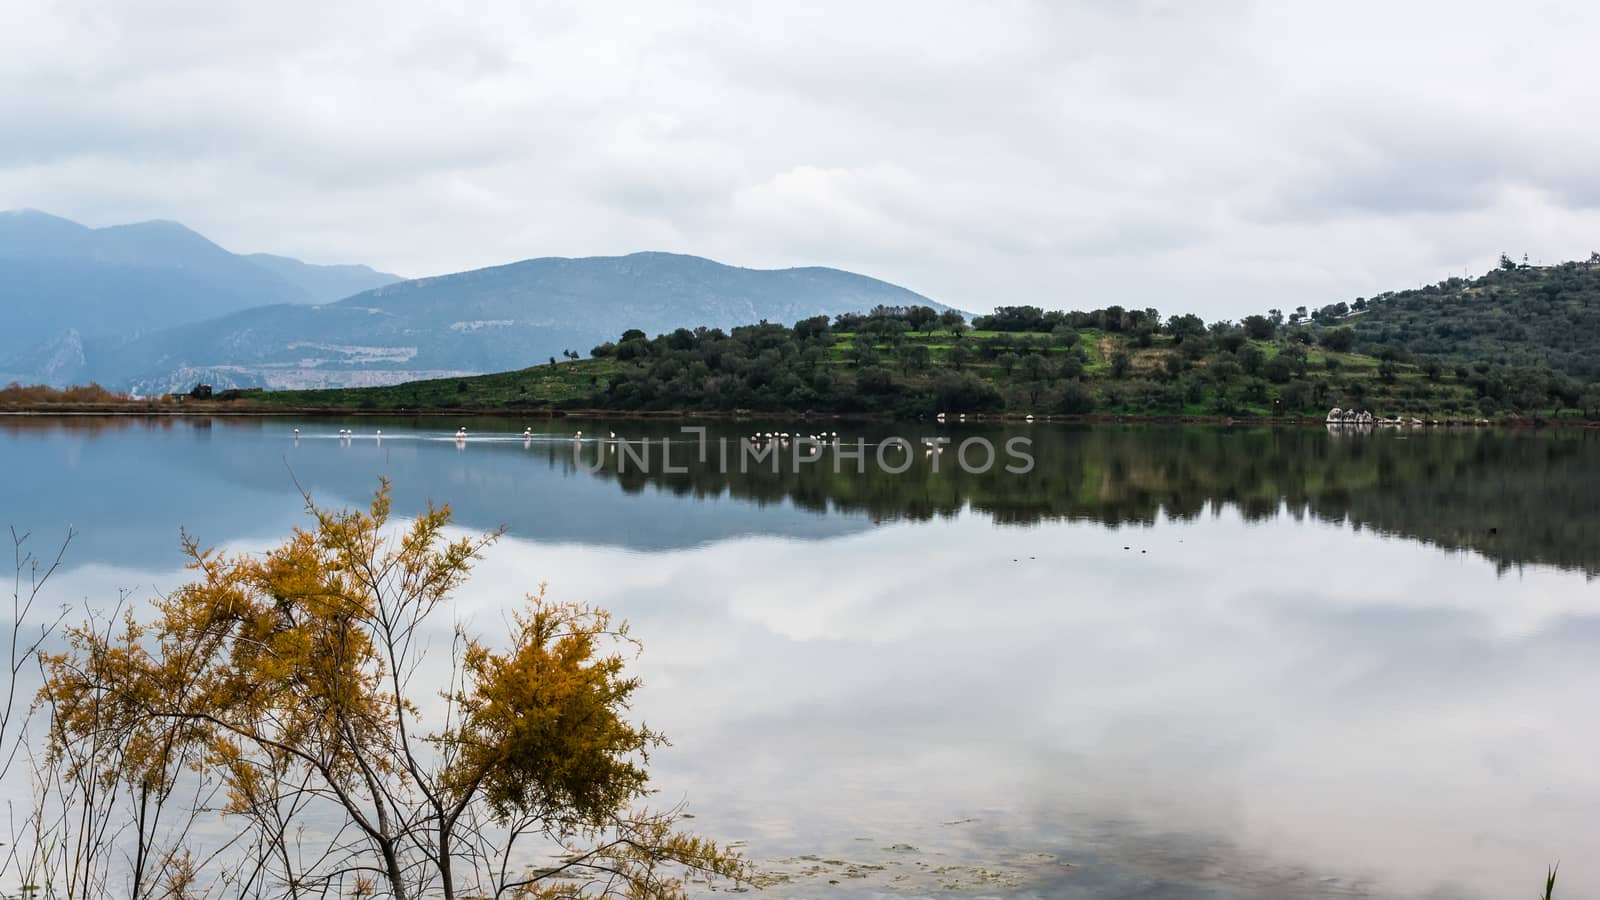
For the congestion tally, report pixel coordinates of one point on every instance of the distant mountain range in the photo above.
(66, 288)
(156, 307)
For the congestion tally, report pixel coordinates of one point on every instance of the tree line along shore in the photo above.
(1512, 346)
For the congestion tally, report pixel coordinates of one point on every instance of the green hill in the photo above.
(1105, 362)
(1518, 341)
(1512, 321)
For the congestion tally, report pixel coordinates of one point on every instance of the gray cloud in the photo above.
(1223, 157)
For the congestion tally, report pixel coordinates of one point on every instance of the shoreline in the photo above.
(231, 409)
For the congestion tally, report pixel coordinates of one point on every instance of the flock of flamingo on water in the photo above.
(759, 438)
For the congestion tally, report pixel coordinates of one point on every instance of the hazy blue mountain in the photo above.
(486, 320)
(28, 232)
(66, 289)
(324, 284)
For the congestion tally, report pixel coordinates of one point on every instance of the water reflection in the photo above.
(1516, 498)
(1162, 666)
(1207, 717)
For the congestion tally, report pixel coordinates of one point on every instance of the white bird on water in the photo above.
(578, 436)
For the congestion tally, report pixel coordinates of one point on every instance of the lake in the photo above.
(1166, 662)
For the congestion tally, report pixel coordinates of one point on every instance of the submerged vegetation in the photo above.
(286, 699)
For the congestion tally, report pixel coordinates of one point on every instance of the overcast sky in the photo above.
(1218, 157)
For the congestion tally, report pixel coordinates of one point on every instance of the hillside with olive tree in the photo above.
(1518, 342)
(1019, 360)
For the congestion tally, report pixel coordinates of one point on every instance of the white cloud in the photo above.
(1223, 157)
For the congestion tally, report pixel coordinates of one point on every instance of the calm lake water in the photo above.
(1169, 662)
